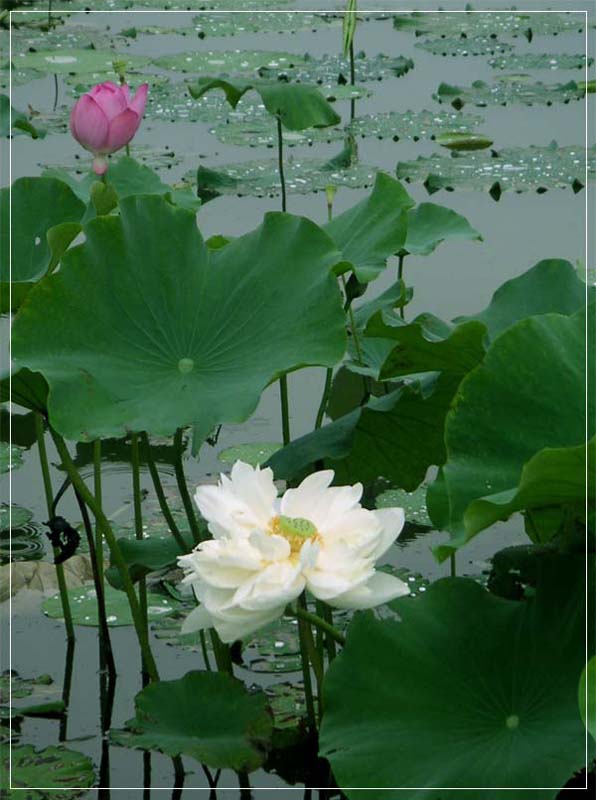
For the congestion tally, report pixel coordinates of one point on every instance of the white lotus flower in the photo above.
(266, 550)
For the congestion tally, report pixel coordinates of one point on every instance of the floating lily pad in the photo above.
(12, 684)
(506, 23)
(229, 62)
(261, 131)
(235, 24)
(253, 453)
(464, 46)
(504, 92)
(13, 517)
(413, 503)
(21, 122)
(517, 169)
(28, 697)
(276, 648)
(520, 61)
(65, 773)
(413, 124)
(514, 703)
(178, 5)
(209, 716)
(335, 69)
(76, 60)
(11, 457)
(155, 158)
(83, 605)
(64, 37)
(288, 706)
(303, 176)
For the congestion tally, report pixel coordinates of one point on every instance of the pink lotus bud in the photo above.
(106, 119)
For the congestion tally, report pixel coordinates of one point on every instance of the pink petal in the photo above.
(89, 124)
(138, 102)
(125, 89)
(122, 129)
(110, 98)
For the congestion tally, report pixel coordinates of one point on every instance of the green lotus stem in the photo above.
(314, 658)
(301, 612)
(47, 485)
(452, 566)
(325, 398)
(97, 490)
(352, 81)
(285, 409)
(66, 684)
(161, 496)
(115, 552)
(353, 329)
(400, 277)
(221, 651)
(308, 695)
(327, 615)
(280, 164)
(105, 647)
(183, 488)
(204, 652)
(138, 514)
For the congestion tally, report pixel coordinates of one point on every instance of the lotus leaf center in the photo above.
(512, 722)
(185, 365)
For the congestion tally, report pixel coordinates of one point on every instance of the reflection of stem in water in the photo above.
(104, 631)
(244, 783)
(47, 485)
(161, 495)
(66, 684)
(212, 781)
(283, 381)
(352, 82)
(97, 491)
(146, 775)
(452, 565)
(183, 487)
(107, 691)
(116, 553)
(138, 514)
(308, 694)
(55, 105)
(179, 775)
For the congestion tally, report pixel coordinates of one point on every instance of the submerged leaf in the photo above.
(65, 773)
(83, 605)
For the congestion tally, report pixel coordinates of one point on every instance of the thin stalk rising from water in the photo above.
(283, 381)
(138, 513)
(183, 487)
(47, 485)
(115, 551)
(161, 496)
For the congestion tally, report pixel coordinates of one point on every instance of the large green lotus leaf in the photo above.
(505, 23)
(37, 205)
(469, 691)
(516, 169)
(506, 92)
(207, 715)
(143, 328)
(373, 229)
(527, 395)
(522, 61)
(414, 125)
(68, 60)
(260, 178)
(13, 517)
(430, 224)
(396, 436)
(427, 344)
(587, 696)
(65, 773)
(553, 477)
(552, 285)
(464, 46)
(298, 106)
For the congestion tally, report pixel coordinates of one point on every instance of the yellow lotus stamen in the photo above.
(295, 530)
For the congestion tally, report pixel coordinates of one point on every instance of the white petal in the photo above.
(380, 588)
(392, 521)
(305, 498)
(270, 547)
(198, 620)
(240, 624)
